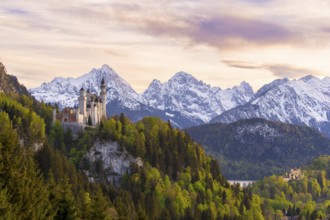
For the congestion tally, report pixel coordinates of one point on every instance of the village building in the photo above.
(91, 109)
(295, 174)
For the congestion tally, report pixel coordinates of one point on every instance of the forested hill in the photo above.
(303, 198)
(177, 180)
(253, 148)
(12, 89)
(9, 84)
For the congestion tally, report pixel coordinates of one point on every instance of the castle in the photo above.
(295, 174)
(91, 109)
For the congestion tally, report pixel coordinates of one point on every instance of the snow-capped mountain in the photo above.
(64, 91)
(193, 98)
(183, 100)
(304, 101)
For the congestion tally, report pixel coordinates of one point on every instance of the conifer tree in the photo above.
(99, 206)
(21, 184)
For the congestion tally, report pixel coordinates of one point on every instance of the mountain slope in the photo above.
(253, 148)
(9, 84)
(172, 177)
(304, 101)
(193, 98)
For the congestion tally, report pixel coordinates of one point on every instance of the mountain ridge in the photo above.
(304, 101)
(186, 101)
(183, 99)
(253, 148)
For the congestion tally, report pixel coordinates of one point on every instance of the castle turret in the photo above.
(82, 102)
(103, 99)
(54, 115)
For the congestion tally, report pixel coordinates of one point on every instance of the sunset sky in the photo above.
(219, 42)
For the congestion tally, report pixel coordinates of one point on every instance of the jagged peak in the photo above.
(184, 78)
(245, 85)
(308, 78)
(183, 75)
(154, 85)
(106, 68)
(270, 86)
(156, 82)
(58, 79)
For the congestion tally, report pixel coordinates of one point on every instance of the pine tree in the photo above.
(21, 183)
(6, 209)
(56, 137)
(65, 202)
(99, 206)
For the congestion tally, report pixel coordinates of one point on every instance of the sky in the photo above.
(220, 42)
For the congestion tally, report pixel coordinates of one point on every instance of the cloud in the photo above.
(16, 11)
(257, 1)
(278, 70)
(224, 29)
(221, 32)
(188, 23)
(290, 71)
(241, 64)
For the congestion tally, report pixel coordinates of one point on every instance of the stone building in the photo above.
(295, 174)
(91, 109)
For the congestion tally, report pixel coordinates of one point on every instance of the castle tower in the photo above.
(54, 115)
(92, 112)
(82, 102)
(103, 99)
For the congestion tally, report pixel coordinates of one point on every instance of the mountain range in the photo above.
(305, 101)
(183, 100)
(187, 101)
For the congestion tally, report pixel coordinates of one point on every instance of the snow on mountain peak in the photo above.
(106, 68)
(270, 86)
(64, 91)
(182, 96)
(308, 78)
(182, 74)
(183, 78)
(194, 98)
(303, 101)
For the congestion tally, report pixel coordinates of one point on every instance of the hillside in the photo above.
(9, 84)
(172, 179)
(304, 198)
(253, 148)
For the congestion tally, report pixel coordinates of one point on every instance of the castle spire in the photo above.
(103, 98)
